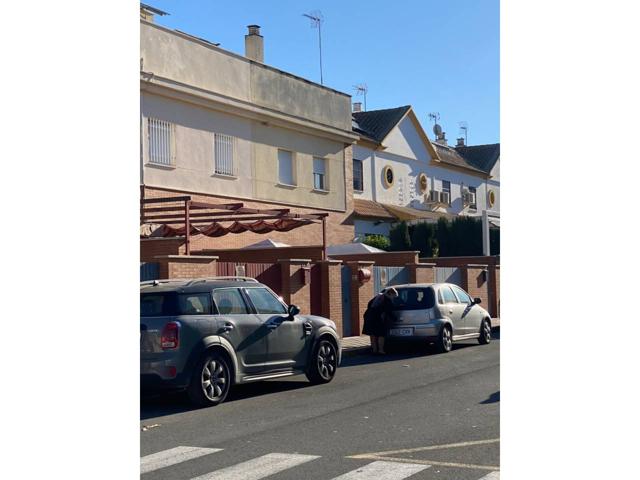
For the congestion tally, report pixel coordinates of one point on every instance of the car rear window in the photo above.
(414, 299)
(172, 303)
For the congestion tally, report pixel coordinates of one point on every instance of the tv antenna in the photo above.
(316, 22)
(362, 89)
(464, 127)
(435, 116)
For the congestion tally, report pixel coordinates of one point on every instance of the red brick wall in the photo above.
(331, 291)
(360, 295)
(474, 283)
(422, 272)
(339, 226)
(265, 255)
(387, 259)
(186, 266)
(294, 288)
(149, 249)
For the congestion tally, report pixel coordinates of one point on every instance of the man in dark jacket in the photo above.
(378, 317)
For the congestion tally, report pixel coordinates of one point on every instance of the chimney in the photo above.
(441, 139)
(253, 44)
(460, 142)
(357, 107)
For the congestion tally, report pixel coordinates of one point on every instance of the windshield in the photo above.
(414, 299)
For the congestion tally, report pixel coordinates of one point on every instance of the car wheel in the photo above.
(445, 340)
(324, 363)
(485, 332)
(211, 380)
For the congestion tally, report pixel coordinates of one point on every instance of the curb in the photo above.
(353, 351)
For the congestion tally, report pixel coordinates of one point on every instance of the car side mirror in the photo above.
(477, 300)
(293, 310)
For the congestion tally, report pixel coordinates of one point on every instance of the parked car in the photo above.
(205, 335)
(440, 313)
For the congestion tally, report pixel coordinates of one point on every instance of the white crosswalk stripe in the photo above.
(172, 456)
(491, 476)
(381, 470)
(260, 467)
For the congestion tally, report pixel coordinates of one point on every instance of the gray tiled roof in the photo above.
(377, 124)
(450, 156)
(483, 157)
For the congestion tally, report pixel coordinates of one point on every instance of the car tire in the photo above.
(210, 381)
(485, 332)
(324, 363)
(445, 340)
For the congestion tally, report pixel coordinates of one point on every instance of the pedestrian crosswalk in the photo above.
(272, 463)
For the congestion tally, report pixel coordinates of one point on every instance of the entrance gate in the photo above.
(449, 275)
(385, 276)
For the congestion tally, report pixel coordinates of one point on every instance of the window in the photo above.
(319, 174)
(285, 167)
(229, 301)
(160, 142)
(463, 297)
(358, 180)
(473, 205)
(171, 304)
(446, 187)
(264, 301)
(414, 299)
(448, 295)
(223, 150)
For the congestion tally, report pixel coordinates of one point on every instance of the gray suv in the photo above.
(441, 313)
(204, 335)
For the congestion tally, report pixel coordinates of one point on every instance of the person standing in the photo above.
(377, 317)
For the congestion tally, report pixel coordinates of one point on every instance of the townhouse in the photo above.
(223, 127)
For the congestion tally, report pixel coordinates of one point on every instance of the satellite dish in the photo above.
(437, 129)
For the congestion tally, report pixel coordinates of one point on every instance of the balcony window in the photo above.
(223, 153)
(285, 168)
(319, 174)
(161, 142)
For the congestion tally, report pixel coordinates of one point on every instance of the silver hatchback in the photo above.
(441, 313)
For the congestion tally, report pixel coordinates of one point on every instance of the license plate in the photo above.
(402, 332)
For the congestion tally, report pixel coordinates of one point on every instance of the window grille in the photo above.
(160, 142)
(223, 148)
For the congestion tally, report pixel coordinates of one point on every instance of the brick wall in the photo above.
(360, 295)
(475, 283)
(330, 290)
(421, 272)
(339, 226)
(387, 259)
(265, 255)
(294, 288)
(150, 248)
(182, 266)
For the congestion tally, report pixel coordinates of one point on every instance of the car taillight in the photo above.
(170, 337)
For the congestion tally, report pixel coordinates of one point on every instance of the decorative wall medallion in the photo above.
(388, 176)
(492, 198)
(423, 183)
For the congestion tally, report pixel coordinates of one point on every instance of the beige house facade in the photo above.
(218, 125)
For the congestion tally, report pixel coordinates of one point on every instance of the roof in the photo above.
(450, 156)
(352, 248)
(369, 208)
(268, 243)
(408, 213)
(193, 284)
(483, 157)
(376, 124)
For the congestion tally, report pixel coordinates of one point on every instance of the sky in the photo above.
(438, 56)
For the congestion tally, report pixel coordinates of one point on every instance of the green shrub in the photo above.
(399, 237)
(377, 241)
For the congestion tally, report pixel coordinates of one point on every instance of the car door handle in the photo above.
(228, 327)
(272, 326)
(308, 328)
(450, 310)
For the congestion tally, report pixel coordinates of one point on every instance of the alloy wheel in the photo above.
(214, 379)
(327, 360)
(446, 339)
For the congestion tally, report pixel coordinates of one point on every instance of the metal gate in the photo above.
(346, 301)
(385, 276)
(149, 271)
(449, 275)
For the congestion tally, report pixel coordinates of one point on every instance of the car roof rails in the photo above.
(148, 283)
(232, 277)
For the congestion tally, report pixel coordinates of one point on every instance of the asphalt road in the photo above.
(400, 416)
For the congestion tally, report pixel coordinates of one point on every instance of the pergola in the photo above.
(182, 216)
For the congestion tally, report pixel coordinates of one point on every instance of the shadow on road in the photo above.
(493, 398)
(162, 404)
(399, 352)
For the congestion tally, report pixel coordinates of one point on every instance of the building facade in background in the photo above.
(221, 126)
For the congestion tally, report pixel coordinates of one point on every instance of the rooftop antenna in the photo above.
(316, 22)
(435, 116)
(362, 89)
(464, 127)
(437, 129)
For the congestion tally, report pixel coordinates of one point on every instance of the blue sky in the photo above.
(438, 56)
